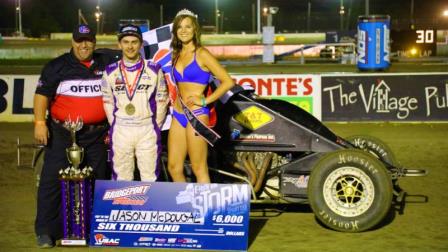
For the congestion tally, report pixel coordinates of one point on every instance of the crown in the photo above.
(186, 12)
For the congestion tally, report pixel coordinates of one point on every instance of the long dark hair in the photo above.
(176, 44)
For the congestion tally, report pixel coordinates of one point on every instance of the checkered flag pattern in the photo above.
(156, 39)
(156, 47)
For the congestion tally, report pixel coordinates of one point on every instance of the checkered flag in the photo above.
(156, 47)
(156, 39)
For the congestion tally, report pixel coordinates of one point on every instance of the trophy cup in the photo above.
(76, 191)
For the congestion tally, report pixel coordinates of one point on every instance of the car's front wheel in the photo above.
(374, 146)
(350, 191)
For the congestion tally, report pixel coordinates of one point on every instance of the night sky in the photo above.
(41, 17)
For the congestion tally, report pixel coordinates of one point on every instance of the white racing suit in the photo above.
(135, 132)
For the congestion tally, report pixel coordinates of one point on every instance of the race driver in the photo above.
(135, 98)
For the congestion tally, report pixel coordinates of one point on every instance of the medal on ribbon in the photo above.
(130, 109)
(131, 88)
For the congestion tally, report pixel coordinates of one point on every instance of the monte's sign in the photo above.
(302, 90)
(399, 97)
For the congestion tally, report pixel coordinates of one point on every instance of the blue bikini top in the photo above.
(192, 73)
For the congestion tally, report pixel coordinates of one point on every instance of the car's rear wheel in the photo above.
(350, 191)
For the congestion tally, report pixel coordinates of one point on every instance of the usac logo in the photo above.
(101, 239)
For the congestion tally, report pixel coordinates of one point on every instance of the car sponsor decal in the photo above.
(253, 118)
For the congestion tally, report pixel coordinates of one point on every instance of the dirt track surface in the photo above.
(421, 226)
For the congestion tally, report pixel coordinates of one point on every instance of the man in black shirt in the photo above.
(69, 88)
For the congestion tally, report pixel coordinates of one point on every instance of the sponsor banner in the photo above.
(302, 90)
(343, 97)
(170, 215)
(16, 97)
(17, 92)
(385, 97)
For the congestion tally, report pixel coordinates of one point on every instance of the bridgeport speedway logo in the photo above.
(133, 195)
(103, 240)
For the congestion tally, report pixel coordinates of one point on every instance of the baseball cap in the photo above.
(130, 30)
(81, 32)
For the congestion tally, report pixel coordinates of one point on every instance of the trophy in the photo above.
(76, 191)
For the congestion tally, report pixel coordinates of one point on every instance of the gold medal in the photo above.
(130, 109)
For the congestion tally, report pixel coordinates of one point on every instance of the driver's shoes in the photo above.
(45, 241)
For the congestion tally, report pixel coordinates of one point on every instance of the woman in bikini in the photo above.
(192, 67)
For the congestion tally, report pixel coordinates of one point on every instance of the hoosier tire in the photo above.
(374, 146)
(350, 191)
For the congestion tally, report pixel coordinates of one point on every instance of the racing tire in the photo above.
(350, 191)
(374, 146)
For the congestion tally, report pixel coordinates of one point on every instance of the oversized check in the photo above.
(170, 215)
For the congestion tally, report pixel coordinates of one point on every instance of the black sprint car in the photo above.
(287, 155)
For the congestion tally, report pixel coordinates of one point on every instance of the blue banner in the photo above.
(170, 215)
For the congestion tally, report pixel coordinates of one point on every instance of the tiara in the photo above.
(186, 12)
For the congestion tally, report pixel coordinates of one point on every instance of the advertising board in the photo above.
(386, 97)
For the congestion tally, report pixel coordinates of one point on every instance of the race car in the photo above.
(287, 155)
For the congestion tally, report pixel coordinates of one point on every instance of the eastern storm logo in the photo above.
(205, 198)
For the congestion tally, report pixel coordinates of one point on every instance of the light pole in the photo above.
(367, 7)
(341, 12)
(412, 15)
(258, 17)
(216, 16)
(269, 12)
(98, 15)
(19, 18)
(308, 17)
(265, 13)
